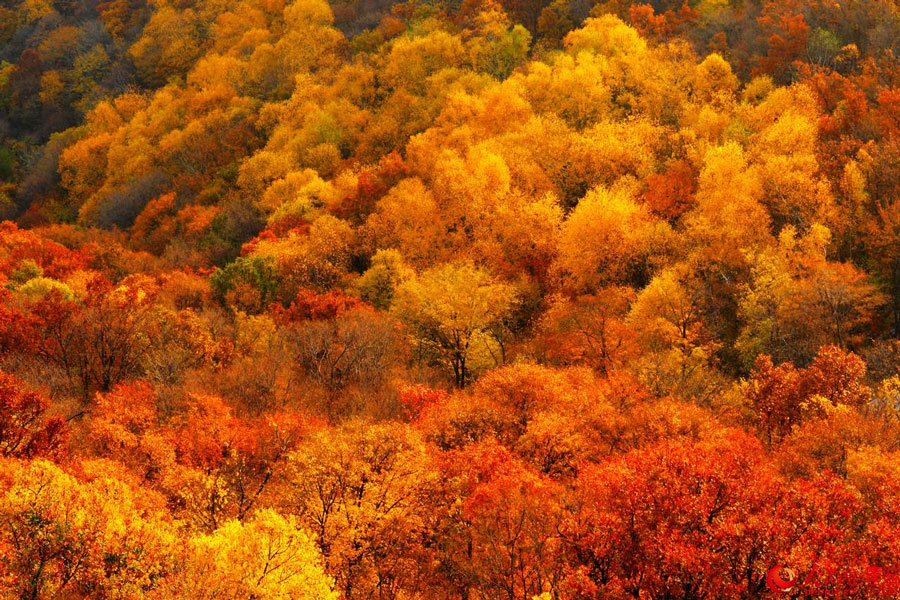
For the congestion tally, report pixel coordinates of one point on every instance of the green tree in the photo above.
(249, 283)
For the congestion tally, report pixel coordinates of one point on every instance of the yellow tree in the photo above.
(412, 60)
(408, 219)
(363, 489)
(65, 537)
(728, 217)
(604, 240)
(268, 557)
(797, 300)
(170, 43)
(378, 284)
(786, 152)
(678, 353)
(455, 312)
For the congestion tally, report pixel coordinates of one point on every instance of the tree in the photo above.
(26, 430)
(171, 42)
(100, 343)
(678, 353)
(553, 419)
(363, 490)
(91, 538)
(311, 306)
(783, 397)
(412, 60)
(451, 310)
(604, 241)
(266, 557)
(378, 284)
(250, 283)
(318, 260)
(501, 540)
(797, 300)
(125, 425)
(226, 465)
(671, 193)
(675, 519)
(589, 329)
(353, 349)
(727, 218)
(773, 392)
(787, 36)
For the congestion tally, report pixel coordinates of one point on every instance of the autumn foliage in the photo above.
(494, 299)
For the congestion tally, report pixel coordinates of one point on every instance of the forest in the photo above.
(463, 300)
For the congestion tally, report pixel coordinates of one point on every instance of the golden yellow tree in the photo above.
(456, 312)
(268, 557)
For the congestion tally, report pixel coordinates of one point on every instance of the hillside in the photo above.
(480, 300)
